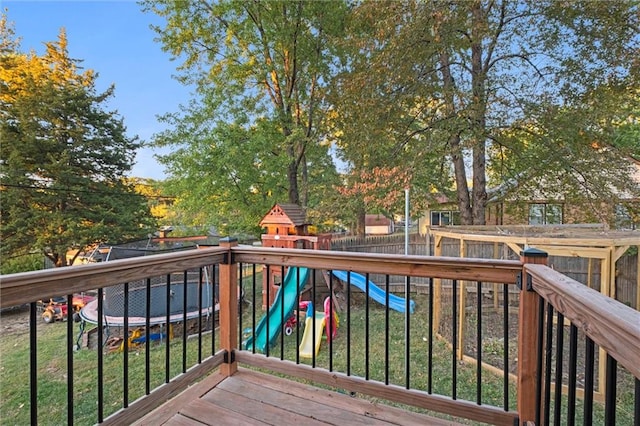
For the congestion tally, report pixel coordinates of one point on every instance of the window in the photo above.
(545, 214)
(624, 217)
(444, 218)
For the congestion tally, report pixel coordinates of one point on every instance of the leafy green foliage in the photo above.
(255, 134)
(453, 82)
(64, 159)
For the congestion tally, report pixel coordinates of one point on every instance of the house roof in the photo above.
(285, 214)
(376, 220)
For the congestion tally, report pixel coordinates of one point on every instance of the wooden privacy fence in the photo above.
(582, 269)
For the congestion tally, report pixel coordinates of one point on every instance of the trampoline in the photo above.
(114, 300)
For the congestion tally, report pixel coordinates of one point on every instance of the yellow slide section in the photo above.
(307, 344)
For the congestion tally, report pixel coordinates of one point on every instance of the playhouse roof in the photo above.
(285, 214)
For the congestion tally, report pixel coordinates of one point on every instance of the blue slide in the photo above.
(287, 297)
(376, 293)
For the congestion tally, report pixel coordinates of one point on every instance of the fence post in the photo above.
(528, 321)
(228, 313)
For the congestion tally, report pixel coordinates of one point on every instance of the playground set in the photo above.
(286, 227)
(283, 289)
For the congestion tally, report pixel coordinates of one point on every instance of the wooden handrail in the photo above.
(487, 270)
(610, 324)
(27, 287)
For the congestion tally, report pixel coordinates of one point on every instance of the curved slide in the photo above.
(286, 297)
(376, 293)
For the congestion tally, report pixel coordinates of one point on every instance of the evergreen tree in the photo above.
(63, 157)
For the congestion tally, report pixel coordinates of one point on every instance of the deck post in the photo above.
(528, 323)
(229, 307)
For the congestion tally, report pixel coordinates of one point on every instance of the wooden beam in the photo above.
(528, 321)
(27, 287)
(619, 252)
(229, 308)
(515, 247)
(501, 271)
(574, 251)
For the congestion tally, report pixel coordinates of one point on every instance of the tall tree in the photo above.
(256, 132)
(447, 78)
(63, 157)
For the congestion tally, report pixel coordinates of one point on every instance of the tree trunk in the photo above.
(462, 189)
(361, 227)
(292, 176)
(478, 111)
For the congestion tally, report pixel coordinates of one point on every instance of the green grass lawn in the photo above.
(52, 376)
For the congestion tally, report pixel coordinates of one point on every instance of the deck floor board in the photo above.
(252, 398)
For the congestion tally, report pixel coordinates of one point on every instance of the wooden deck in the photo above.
(252, 398)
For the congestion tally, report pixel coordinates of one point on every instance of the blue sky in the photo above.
(114, 39)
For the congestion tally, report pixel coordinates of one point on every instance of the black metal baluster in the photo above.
(125, 352)
(70, 350)
(253, 311)
(610, 391)
(100, 356)
(539, 358)
(184, 322)
(313, 320)
(505, 339)
(386, 330)
(331, 341)
(636, 404)
(267, 308)
(167, 348)
(454, 328)
(573, 373)
(215, 289)
(348, 323)
(557, 405)
(33, 363)
(589, 362)
(240, 307)
(200, 306)
(430, 342)
(282, 319)
(407, 332)
(479, 346)
(147, 343)
(547, 364)
(366, 329)
(297, 310)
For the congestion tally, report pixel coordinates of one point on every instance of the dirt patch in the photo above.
(15, 321)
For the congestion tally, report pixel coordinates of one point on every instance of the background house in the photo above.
(377, 224)
(538, 208)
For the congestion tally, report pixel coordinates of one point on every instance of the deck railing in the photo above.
(498, 372)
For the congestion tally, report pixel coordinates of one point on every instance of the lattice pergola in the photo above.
(587, 241)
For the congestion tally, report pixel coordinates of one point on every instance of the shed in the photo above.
(377, 224)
